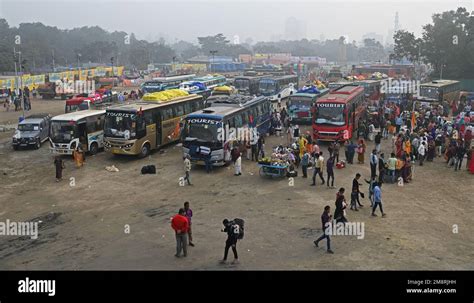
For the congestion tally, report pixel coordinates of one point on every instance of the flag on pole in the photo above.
(413, 121)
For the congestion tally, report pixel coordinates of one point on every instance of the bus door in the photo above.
(159, 129)
(82, 134)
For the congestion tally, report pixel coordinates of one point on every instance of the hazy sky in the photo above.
(258, 19)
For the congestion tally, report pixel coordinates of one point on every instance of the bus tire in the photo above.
(38, 144)
(94, 148)
(15, 147)
(145, 151)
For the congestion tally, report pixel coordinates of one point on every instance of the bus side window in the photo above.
(187, 108)
(245, 119)
(238, 121)
(232, 122)
(179, 110)
(149, 118)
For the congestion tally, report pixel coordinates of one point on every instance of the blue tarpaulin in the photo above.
(309, 90)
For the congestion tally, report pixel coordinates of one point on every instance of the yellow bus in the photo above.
(439, 91)
(138, 128)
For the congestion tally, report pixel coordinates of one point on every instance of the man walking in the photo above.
(318, 168)
(330, 170)
(238, 165)
(377, 200)
(381, 168)
(231, 241)
(187, 169)
(180, 225)
(422, 152)
(355, 193)
(189, 215)
(392, 165)
(325, 220)
(373, 163)
(304, 164)
(378, 140)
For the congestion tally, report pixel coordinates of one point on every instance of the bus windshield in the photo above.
(63, 131)
(300, 102)
(204, 130)
(429, 92)
(242, 83)
(327, 114)
(120, 125)
(267, 86)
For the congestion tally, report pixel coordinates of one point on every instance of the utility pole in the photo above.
(18, 79)
(113, 72)
(54, 65)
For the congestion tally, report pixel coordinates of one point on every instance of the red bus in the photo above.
(336, 115)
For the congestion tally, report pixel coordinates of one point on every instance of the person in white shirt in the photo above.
(422, 152)
(238, 166)
(187, 169)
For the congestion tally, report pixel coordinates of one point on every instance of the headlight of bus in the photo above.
(73, 145)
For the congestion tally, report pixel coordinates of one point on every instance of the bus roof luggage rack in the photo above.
(238, 99)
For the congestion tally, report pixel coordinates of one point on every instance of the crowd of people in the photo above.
(20, 98)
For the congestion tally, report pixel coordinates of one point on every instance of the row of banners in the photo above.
(83, 75)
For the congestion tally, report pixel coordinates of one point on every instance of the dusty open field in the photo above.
(83, 225)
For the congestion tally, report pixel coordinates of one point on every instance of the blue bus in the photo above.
(230, 120)
(300, 104)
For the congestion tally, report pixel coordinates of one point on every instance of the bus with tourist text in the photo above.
(217, 128)
(138, 128)
(336, 115)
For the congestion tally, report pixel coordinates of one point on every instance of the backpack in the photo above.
(237, 228)
(148, 169)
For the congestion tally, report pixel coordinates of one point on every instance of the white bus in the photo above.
(85, 127)
(278, 87)
(163, 83)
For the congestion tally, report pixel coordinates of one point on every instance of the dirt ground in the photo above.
(83, 224)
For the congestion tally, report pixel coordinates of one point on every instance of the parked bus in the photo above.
(371, 88)
(211, 127)
(247, 85)
(337, 114)
(439, 91)
(163, 83)
(203, 85)
(278, 88)
(301, 103)
(138, 128)
(85, 127)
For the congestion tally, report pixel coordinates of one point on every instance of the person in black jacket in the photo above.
(340, 206)
(325, 220)
(231, 241)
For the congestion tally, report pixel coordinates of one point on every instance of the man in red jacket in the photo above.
(180, 224)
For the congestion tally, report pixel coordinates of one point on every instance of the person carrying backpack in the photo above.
(235, 231)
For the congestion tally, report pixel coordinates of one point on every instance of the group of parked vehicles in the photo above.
(138, 128)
